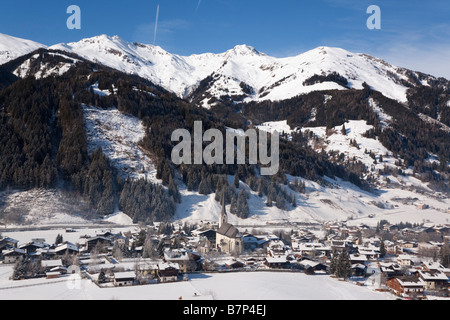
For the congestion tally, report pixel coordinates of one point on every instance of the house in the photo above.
(122, 279)
(311, 267)
(13, 255)
(47, 265)
(8, 243)
(228, 237)
(390, 269)
(187, 261)
(434, 280)
(279, 262)
(252, 242)
(234, 264)
(405, 260)
(31, 247)
(358, 270)
(410, 287)
(358, 258)
(312, 249)
(168, 272)
(422, 206)
(277, 248)
(371, 252)
(210, 234)
(428, 249)
(66, 247)
(97, 241)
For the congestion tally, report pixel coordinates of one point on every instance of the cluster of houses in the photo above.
(402, 260)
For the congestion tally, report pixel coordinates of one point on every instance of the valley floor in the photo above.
(233, 286)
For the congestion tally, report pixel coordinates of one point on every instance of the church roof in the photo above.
(228, 230)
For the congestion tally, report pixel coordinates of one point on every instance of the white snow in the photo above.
(119, 135)
(12, 47)
(270, 78)
(45, 69)
(258, 286)
(281, 127)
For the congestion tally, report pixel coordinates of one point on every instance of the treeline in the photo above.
(332, 77)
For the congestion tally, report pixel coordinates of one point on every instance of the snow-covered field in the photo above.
(232, 286)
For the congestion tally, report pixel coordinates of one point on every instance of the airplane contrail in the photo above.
(198, 5)
(156, 25)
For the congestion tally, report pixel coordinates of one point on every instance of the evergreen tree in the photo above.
(102, 276)
(343, 268)
(333, 262)
(382, 250)
(243, 211)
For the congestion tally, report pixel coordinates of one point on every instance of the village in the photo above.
(409, 261)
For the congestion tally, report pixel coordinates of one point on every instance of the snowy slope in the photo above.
(12, 47)
(38, 67)
(119, 135)
(242, 71)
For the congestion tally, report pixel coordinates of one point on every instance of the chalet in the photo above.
(435, 266)
(31, 247)
(97, 241)
(276, 248)
(187, 261)
(358, 258)
(8, 243)
(66, 248)
(252, 242)
(276, 262)
(371, 253)
(411, 287)
(210, 234)
(358, 270)
(168, 272)
(405, 260)
(47, 265)
(311, 267)
(13, 255)
(428, 249)
(312, 249)
(434, 280)
(234, 264)
(122, 279)
(390, 269)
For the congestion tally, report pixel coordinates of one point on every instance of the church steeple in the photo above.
(223, 214)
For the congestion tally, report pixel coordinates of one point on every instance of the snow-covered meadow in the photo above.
(231, 286)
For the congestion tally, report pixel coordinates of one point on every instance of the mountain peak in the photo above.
(12, 47)
(244, 50)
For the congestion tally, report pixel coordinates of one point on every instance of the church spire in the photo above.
(223, 215)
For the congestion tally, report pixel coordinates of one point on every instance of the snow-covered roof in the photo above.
(124, 275)
(433, 276)
(51, 263)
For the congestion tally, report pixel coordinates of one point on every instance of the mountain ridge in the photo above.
(244, 74)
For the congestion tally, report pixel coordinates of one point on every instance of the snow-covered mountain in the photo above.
(12, 47)
(243, 73)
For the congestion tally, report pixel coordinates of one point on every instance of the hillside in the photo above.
(93, 120)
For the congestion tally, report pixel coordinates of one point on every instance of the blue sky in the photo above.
(414, 34)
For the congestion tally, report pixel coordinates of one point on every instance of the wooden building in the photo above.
(410, 287)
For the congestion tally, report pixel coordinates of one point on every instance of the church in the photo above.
(228, 237)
